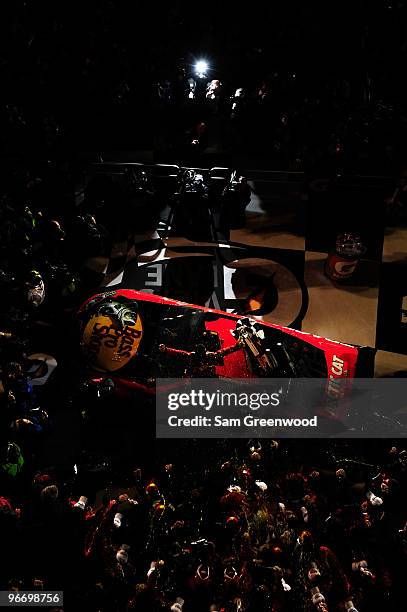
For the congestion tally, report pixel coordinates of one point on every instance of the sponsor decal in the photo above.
(109, 347)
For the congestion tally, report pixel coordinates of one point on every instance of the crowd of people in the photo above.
(46, 242)
(280, 117)
(259, 528)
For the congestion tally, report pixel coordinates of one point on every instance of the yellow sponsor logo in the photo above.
(108, 346)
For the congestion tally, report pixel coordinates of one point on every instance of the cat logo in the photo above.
(337, 366)
(108, 346)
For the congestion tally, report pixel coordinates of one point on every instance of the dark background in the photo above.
(87, 68)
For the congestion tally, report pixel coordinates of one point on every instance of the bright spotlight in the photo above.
(201, 69)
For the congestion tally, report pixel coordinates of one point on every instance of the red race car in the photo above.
(135, 337)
